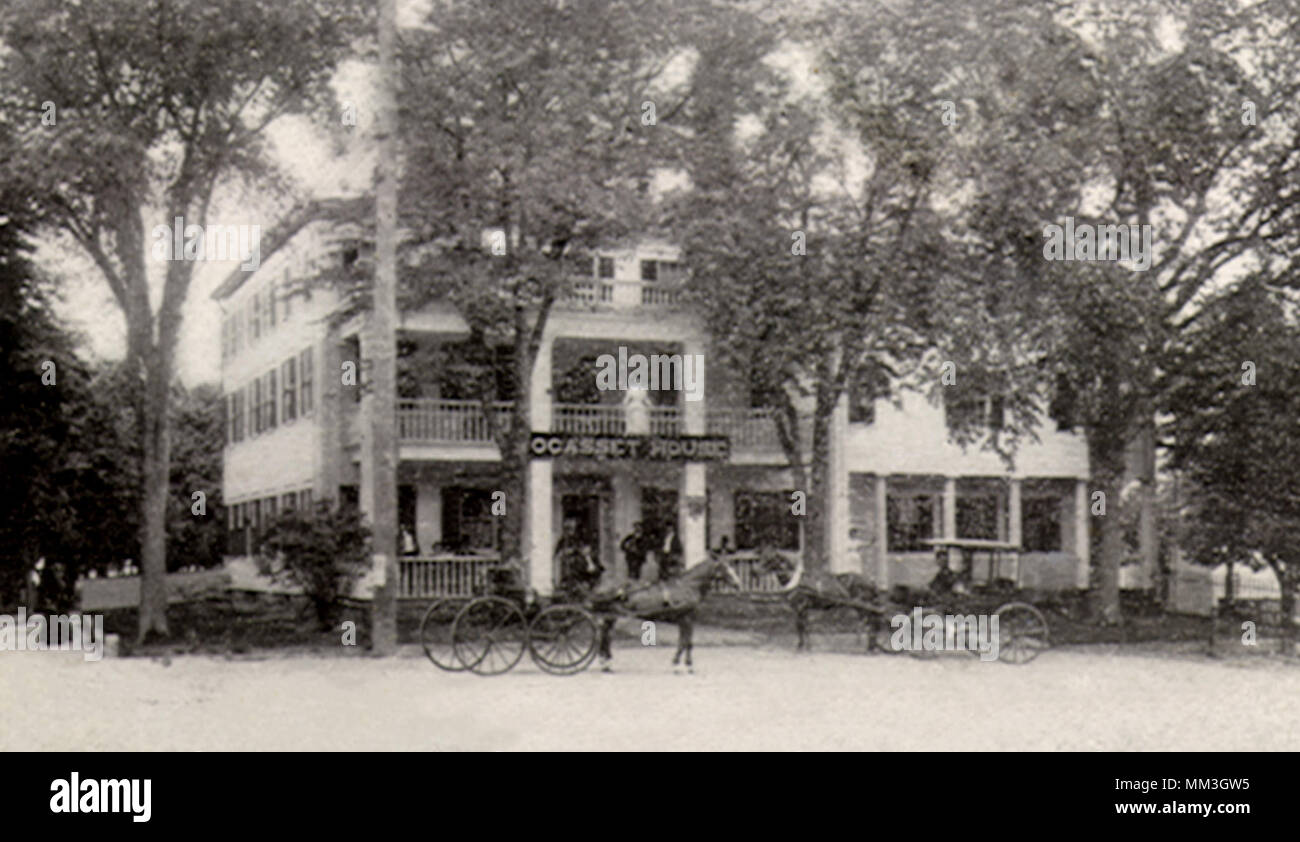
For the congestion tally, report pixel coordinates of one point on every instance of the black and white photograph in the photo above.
(710, 376)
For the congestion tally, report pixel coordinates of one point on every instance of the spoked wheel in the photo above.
(489, 635)
(1022, 633)
(563, 639)
(435, 633)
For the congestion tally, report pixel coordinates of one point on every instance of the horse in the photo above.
(806, 591)
(674, 600)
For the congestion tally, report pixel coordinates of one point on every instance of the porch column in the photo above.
(837, 493)
(692, 498)
(950, 507)
(1015, 529)
(1082, 534)
(539, 543)
(882, 532)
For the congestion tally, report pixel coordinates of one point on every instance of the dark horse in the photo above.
(673, 601)
(806, 591)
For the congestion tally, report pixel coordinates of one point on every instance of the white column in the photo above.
(950, 507)
(428, 514)
(1082, 533)
(837, 493)
(1015, 529)
(882, 533)
(539, 545)
(692, 496)
(691, 514)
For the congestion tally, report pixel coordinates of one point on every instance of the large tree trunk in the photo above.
(816, 477)
(1107, 607)
(154, 426)
(1287, 582)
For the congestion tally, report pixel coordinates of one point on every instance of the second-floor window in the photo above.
(236, 401)
(269, 396)
(305, 365)
(649, 271)
(289, 382)
(255, 405)
(605, 268)
(910, 520)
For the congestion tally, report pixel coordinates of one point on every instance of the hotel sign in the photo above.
(645, 448)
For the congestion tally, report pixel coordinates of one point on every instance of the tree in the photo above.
(148, 109)
(323, 551)
(524, 148)
(1232, 401)
(1110, 119)
(814, 265)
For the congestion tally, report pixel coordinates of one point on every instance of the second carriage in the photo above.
(488, 632)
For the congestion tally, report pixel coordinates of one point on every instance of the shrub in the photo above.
(323, 551)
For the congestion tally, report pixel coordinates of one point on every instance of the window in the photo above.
(670, 271)
(910, 521)
(467, 520)
(237, 416)
(649, 271)
(862, 406)
(255, 405)
(255, 320)
(305, 375)
(1042, 525)
(304, 500)
(288, 296)
(605, 267)
(977, 517)
(289, 397)
(973, 411)
(288, 502)
(763, 518)
(268, 511)
(270, 304)
(1062, 408)
(269, 396)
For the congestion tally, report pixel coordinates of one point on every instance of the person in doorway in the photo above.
(579, 570)
(634, 549)
(670, 554)
(409, 547)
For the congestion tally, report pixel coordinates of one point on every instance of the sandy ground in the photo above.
(738, 698)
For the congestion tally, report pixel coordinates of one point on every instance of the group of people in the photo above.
(580, 570)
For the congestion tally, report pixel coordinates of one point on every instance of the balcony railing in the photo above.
(427, 420)
(422, 577)
(624, 293)
(748, 429)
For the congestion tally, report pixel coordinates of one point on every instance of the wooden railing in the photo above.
(456, 421)
(423, 577)
(752, 579)
(620, 294)
(428, 420)
(748, 429)
(589, 419)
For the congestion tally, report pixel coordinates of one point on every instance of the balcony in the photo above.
(430, 421)
(622, 294)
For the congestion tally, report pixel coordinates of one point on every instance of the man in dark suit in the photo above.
(634, 548)
(670, 554)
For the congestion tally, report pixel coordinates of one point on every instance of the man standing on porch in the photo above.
(634, 550)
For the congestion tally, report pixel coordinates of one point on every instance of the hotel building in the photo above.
(294, 432)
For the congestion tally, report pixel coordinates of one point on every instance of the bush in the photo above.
(323, 551)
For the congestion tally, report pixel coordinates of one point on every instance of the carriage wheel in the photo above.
(435, 633)
(1022, 633)
(489, 635)
(563, 639)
